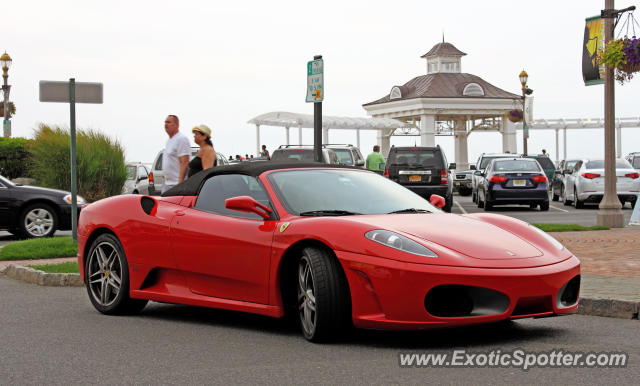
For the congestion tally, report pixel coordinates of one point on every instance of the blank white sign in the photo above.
(54, 91)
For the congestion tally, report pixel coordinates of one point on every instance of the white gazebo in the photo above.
(289, 120)
(446, 101)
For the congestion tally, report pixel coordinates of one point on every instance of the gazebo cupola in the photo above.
(443, 58)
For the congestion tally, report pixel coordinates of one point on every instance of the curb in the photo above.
(612, 308)
(31, 275)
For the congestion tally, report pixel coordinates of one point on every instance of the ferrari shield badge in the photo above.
(284, 226)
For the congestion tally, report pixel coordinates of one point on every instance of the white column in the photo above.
(557, 146)
(358, 139)
(427, 130)
(286, 128)
(618, 139)
(509, 143)
(325, 135)
(258, 149)
(564, 142)
(384, 141)
(461, 148)
(299, 134)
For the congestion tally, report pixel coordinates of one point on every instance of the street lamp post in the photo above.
(5, 61)
(525, 130)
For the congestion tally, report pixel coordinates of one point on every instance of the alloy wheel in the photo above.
(104, 274)
(38, 222)
(306, 297)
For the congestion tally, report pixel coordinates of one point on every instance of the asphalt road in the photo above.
(54, 336)
(557, 213)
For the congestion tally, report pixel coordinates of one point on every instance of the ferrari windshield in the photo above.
(343, 192)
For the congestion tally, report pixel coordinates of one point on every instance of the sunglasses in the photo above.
(198, 132)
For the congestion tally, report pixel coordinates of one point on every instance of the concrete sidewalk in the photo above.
(610, 269)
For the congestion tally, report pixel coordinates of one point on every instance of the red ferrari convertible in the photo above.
(333, 246)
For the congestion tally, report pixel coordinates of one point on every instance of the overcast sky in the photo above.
(223, 63)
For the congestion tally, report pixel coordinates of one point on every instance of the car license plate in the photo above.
(457, 184)
(415, 178)
(519, 183)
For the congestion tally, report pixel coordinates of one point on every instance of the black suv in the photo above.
(422, 170)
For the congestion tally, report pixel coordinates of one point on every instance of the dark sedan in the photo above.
(510, 181)
(31, 211)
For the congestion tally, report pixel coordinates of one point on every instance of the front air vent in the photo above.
(454, 301)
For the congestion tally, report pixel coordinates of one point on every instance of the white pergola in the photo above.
(289, 120)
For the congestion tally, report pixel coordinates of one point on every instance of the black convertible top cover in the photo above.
(192, 185)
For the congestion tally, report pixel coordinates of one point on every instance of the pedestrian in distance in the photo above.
(206, 156)
(264, 153)
(544, 152)
(375, 160)
(175, 158)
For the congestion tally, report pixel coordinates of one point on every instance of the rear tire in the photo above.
(474, 197)
(576, 202)
(322, 296)
(107, 278)
(448, 204)
(532, 206)
(544, 206)
(555, 197)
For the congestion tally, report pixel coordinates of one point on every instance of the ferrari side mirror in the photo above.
(437, 201)
(248, 204)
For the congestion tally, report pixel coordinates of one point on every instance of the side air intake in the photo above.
(148, 205)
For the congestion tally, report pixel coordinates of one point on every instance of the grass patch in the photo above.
(68, 267)
(47, 248)
(569, 227)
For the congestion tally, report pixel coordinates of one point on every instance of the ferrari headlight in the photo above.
(79, 200)
(553, 241)
(399, 242)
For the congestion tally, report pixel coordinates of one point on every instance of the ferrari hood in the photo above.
(468, 236)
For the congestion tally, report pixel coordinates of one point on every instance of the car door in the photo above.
(225, 253)
(571, 180)
(5, 197)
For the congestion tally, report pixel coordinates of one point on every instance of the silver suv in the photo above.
(156, 176)
(303, 153)
(347, 154)
(634, 159)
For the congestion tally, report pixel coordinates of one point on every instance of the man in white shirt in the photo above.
(175, 158)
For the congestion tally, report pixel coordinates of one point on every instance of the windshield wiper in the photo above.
(327, 212)
(410, 210)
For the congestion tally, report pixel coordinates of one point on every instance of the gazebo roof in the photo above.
(443, 49)
(445, 85)
(287, 119)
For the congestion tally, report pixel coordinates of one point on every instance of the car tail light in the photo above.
(590, 175)
(632, 175)
(498, 179)
(151, 178)
(386, 173)
(540, 178)
(443, 177)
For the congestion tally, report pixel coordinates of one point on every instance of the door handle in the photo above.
(179, 213)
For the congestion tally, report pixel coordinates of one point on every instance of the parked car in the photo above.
(463, 182)
(423, 170)
(481, 165)
(331, 246)
(303, 153)
(347, 154)
(34, 212)
(156, 176)
(137, 181)
(564, 168)
(586, 183)
(509, 181)
(547, 165)
(634, 159)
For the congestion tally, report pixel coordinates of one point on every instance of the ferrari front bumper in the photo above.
(389, 294)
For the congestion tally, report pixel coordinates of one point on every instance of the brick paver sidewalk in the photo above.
(614, 252)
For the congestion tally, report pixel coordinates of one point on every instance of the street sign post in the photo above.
(72, 93)
(315, 81)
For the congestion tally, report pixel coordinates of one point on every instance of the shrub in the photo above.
(100, 162)
(14, 157)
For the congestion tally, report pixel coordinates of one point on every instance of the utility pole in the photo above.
(610, 209)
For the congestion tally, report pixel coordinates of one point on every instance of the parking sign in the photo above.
(315, 81)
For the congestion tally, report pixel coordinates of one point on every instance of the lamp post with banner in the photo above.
(5, 61)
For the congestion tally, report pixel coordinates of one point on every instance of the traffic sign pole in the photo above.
(74, 173)
(315, 94)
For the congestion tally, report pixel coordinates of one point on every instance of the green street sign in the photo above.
(315, 81)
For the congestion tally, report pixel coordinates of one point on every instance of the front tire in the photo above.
(37, 221)
(107, 278)
(323, 296)
(576, 202)
(563, 194)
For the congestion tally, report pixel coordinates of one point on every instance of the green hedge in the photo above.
(100, 162)
(15, 159)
